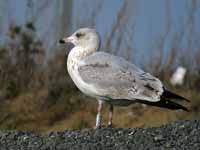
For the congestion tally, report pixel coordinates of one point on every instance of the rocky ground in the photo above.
(184, 135)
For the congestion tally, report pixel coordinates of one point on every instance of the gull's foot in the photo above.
(99, 127)
(110, 126)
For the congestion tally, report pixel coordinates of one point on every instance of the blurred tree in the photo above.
(51, 18)
(21, 60)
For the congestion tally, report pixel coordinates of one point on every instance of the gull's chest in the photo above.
(72, 67)
(72, 63)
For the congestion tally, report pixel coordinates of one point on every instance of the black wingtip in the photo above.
(183, 108)
(165, 103)
(171, 95)
(172, 105)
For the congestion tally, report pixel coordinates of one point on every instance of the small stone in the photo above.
(158, 138)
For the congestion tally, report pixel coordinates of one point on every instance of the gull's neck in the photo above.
(76, 55)
(80, 53)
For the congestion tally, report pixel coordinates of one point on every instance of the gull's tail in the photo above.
(165, 103)
(170, 95)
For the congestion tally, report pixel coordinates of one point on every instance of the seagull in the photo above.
(112, 79)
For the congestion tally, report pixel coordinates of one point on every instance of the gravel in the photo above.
(183, 135)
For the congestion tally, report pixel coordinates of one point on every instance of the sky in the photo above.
(150, 20)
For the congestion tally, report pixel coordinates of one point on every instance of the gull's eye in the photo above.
(78, 35)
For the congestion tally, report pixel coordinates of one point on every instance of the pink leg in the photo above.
(110, 116)
(99, 117)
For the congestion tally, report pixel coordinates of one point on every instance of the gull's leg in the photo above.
(99, 117)
(110, 116)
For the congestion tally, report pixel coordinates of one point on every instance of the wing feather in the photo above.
(116, 78)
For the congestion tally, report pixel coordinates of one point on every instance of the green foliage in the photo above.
(17, 29)
(11, 89)
(30, 25)
(21, 59)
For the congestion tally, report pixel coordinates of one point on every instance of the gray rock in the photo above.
(175, 136)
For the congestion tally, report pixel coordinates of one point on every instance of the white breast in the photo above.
(72, 67)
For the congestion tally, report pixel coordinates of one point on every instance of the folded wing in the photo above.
(116, 78)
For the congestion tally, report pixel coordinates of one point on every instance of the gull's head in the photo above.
(83, 37)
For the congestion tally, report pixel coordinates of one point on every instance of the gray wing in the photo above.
(116, 78)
